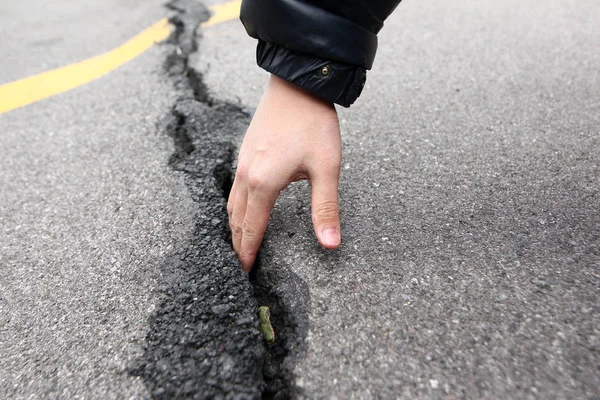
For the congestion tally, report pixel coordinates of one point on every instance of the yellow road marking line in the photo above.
(223, 12)
(38, 87)
(46, 84)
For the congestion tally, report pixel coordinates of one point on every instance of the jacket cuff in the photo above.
(307, 27)
(333, 81)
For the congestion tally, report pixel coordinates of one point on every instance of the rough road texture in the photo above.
(471, 213)
(470, 264)
(88, 207)
(117, 276)
(204, 341)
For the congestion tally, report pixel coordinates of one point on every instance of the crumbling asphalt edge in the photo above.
(203, 340)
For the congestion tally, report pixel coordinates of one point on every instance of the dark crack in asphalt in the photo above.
(288, 299)
(203, 341)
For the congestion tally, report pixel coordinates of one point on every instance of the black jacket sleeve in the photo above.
(325, 46)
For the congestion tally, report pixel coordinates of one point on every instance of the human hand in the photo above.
(293, 135)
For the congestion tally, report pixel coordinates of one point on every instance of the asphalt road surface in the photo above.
(470, 264)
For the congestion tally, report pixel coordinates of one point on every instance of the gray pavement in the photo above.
(470, 264)
(38, 36)
(117, 277)
(89, 207)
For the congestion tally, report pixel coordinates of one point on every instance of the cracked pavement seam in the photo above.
(204, 340)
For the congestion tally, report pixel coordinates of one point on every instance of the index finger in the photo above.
(258, 211)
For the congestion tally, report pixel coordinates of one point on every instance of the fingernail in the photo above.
(247, 264)
(330, 237)
(246, 268)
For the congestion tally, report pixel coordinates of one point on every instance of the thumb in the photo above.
(325, 208)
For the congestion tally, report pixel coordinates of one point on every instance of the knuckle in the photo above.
(330, 161)
(236, 229)
(326, 211)
(248, 253)
(254, 182)
(333, 160)
(249, 228)
(331, 168)
(258, 181)
(242, 171)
